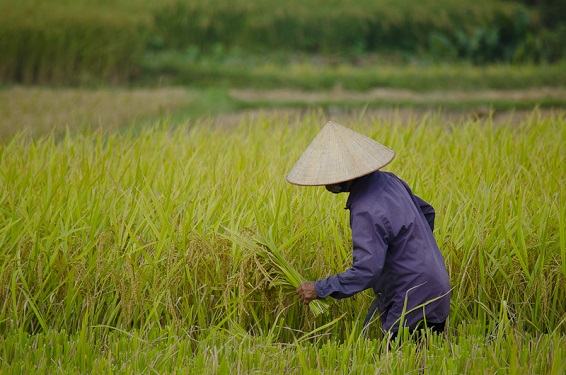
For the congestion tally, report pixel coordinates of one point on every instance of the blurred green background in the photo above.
(216, 42)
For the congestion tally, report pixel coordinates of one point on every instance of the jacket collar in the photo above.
(356, 186)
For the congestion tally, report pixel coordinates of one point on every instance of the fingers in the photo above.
(307, 292)
(301, 294)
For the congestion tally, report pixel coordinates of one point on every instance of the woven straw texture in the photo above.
(338, 154)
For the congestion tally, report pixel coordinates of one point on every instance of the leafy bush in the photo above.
(481, 31)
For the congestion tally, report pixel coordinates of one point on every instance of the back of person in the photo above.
(413, 284)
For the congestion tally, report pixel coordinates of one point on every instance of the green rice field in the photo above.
(151, 250)
(146, 226)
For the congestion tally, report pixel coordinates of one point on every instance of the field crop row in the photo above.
(153, 234)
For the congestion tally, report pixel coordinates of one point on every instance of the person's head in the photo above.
(336, 157)
(342, 187)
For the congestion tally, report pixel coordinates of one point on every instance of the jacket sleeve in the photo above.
(369, 237)
(427, 210)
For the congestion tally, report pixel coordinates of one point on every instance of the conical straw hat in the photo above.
(338, 154)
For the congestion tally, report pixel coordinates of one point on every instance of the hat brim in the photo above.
(338, 154)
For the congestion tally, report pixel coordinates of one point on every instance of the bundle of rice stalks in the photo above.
(281, 272)
(287, 276)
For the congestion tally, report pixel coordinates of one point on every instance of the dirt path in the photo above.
(390, 112)
(248, 95)
(40, 110)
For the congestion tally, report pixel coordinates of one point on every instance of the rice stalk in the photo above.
(282, 273)
(288, 276)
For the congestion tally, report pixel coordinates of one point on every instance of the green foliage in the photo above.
(196, 69)
(506, 39)
(338, 26)
(124, 252)
(134, 231)
(96, 40)
(552, 44)
(68, 45)
(176, 351)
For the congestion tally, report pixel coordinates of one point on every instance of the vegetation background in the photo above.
(145, 224)
(98, 41)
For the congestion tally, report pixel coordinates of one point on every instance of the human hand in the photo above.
(307, 292)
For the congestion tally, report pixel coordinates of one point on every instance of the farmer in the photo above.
(394, 251)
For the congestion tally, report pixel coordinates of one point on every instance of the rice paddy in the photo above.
(164, 249)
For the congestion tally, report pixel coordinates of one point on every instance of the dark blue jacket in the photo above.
(394, 253)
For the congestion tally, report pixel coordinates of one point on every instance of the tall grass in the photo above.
(68, 42)
(318, 74)
(38, 110)
(134, 234)
(176, 351)
(93, 41)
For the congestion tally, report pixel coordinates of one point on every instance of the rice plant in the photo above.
(180, 242)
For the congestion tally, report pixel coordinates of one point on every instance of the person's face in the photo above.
(342, 187)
